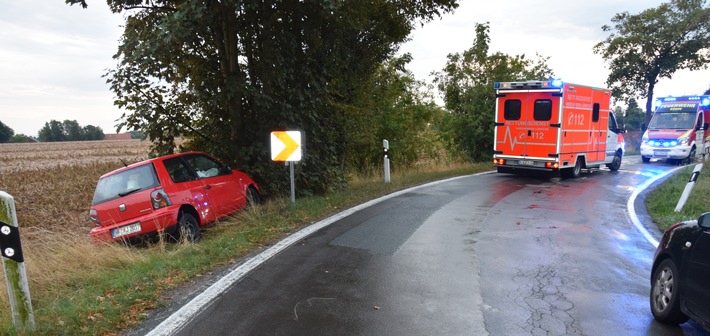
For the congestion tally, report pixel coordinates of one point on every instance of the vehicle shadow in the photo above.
(690, 328)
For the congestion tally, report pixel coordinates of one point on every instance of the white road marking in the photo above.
(632, 212)
(182, 317)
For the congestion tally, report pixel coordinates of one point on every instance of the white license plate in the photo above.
(126, 230)
(660, 153)
(526, 162)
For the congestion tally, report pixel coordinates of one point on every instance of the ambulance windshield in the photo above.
(672, 120)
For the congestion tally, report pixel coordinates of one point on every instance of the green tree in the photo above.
(5, 133)
(224, 74)
(72, 130)
(391, 105)
(51, 132)
(633, 116)
(654, 44)
(466, 83)
(137, 135)
(90, 132)
(21, 138)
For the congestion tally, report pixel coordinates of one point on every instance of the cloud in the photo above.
(52, 60)
(565, 31)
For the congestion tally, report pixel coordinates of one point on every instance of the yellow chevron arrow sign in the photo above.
(286, 146)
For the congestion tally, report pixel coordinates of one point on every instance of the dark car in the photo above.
(680, 277)
(174, 194)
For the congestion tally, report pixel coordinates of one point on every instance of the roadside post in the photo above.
(14, 265)
(386, 145)
(286, 147)
(700, 141)
(688, 187)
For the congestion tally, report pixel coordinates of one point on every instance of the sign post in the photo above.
(286, 147)
(14, 265)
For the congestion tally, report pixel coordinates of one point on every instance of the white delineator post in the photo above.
(688, 187)
(386, 145)
(700, 144)
(14, 266)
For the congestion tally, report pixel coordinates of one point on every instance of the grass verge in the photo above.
(661, 202)
(78, 288)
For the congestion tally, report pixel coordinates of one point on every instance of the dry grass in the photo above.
(53, 184)
(80, 288)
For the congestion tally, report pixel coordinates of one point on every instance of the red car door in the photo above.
(226, 191)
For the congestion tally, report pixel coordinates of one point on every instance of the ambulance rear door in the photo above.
(527, 124)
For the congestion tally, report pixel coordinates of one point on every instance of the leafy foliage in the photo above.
(467, 85)
(224, 74)
(654, 44)
(5, 133)
(391, 105)
(21, 138)
(69, 130)
(633, 117)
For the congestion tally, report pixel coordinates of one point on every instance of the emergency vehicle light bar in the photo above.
(704, 100)
(553, 83)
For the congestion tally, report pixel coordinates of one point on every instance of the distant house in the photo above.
(120, 136)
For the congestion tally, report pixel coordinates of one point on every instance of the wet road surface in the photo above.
(492, 254)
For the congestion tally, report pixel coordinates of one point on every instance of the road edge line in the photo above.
(176, 321)
(632, 211)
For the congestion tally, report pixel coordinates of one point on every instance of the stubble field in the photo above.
(52, 185)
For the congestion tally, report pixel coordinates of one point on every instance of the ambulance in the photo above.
(554, 126)
(678, 129)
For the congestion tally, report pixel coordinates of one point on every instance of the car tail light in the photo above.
(674, 226)
(500, 162)
(94, 217)
(159, 199)
(553, 165)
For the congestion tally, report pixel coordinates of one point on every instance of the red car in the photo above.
(174, 194)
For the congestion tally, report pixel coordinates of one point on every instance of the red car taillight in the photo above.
(94, 217)
(159, 199)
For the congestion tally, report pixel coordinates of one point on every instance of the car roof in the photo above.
(144, 162)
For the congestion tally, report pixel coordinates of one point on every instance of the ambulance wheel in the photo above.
(690, 157)
(645, 159)
(573, 172)
(616, 163)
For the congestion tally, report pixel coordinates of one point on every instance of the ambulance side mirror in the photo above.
(705, 126)
(643, 127)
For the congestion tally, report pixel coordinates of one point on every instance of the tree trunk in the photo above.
(227, 42)
(649, 101)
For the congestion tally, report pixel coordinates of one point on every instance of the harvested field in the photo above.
(53, 183)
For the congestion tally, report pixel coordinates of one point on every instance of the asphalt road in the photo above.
(492, 254)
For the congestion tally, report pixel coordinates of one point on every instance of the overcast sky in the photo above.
(53, 56)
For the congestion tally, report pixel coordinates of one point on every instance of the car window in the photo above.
(124, 183)
(206, 166)
(178, 170)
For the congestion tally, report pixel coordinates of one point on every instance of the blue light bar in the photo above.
(496, 85)
(557, 82)
(705, 102)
